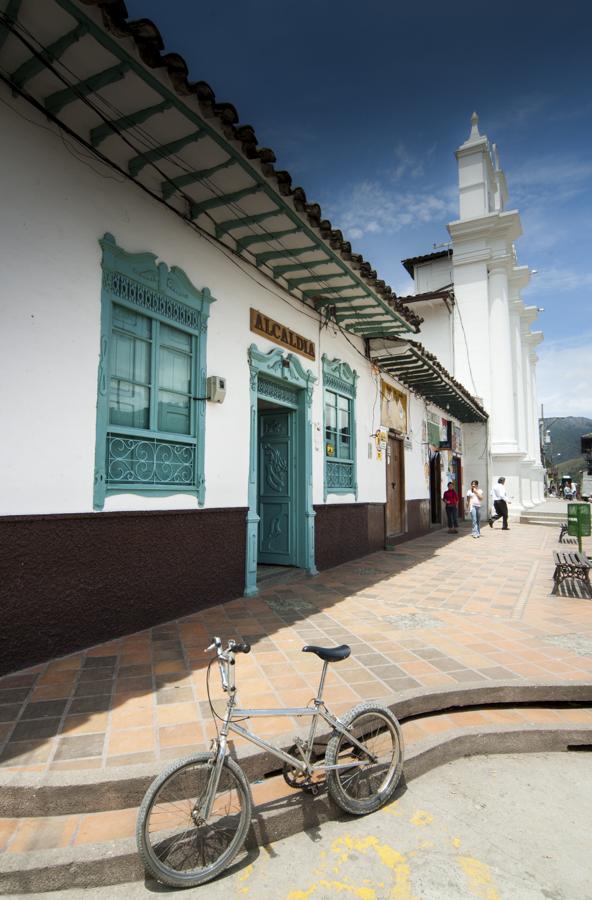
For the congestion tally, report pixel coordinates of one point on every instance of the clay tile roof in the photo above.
(150, 45)
(413, 261)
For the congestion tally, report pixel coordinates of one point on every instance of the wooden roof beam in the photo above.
(55, 102)
(124, 123)
(36, 64)
(196, 209)
(169, 187)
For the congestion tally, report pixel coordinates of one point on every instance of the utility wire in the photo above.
(230, 254)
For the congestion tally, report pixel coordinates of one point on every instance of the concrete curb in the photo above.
(56, 794)
(117, 861)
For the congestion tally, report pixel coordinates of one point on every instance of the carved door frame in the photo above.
(281, 377)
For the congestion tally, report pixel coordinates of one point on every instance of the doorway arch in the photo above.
(281, 377)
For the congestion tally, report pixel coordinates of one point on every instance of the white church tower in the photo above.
(494, 348)
(488, 344)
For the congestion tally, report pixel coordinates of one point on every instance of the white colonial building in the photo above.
(478, 326)
(201, 382)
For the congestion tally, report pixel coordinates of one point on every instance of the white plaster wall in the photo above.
(54, 210)
(433, 275)
(436, 331)
(471, 316)
(476, 456)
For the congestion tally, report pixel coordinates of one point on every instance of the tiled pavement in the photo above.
(436, 611)
(30, 835)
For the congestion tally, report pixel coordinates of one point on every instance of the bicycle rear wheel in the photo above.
(371, 779)
(175, 846)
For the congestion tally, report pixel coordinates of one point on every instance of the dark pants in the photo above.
(452, 516)
(501, 508)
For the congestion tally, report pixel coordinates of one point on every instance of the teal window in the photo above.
(151, 385)
(339, 382)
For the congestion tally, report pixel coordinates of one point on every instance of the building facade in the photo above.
(477, 324)
(192, 396)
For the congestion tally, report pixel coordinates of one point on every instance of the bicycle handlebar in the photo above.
(226, 659)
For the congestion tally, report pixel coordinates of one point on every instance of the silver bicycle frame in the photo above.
(226, 665)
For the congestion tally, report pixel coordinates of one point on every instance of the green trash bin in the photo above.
(578, 521)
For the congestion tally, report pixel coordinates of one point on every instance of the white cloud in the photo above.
(371, 207)
(559, 280)
(518, 112)
(563, 376)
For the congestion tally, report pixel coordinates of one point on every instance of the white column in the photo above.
(503, 422)
(537, 485)
(519, 398)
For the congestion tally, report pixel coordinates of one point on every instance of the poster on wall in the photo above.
(393, 405)
(457, 439)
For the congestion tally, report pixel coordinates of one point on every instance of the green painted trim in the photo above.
(223, 228)
(137, 163)
(335, 301)
(36, 64)
(11, 12)
(125, 277)
(244, 242)
(261, 258)
(116, 49)
(54, 103)
(197, 208)
(340, 378)
(332, 290)
(309, 279)
(358, 314)
(272, 366)
(295, 267)
(388, 329)
(168, 187)
(107, 129)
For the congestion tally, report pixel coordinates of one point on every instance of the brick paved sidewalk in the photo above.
(437, 611)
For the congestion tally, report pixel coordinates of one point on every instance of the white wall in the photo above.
(54, 210)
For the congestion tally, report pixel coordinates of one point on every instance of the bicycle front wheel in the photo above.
(175, 845)
(366, 778)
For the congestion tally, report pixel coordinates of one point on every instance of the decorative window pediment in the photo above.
(339, 383)
(152, 378)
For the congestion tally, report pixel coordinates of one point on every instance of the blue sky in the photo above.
(365, 103)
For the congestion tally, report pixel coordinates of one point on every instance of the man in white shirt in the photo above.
(474, 499)
(500, 504)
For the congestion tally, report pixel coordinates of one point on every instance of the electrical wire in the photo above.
(151, 144)
(233, 256)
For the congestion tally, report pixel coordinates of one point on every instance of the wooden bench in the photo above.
(571, 565)
(562, 531)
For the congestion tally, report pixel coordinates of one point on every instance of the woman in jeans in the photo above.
(451, 501)
(475, 498)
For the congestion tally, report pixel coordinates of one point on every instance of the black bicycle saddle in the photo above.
(329, 654)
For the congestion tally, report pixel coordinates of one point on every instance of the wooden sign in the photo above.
(281, 334)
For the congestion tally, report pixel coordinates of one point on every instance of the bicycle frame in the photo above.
(317, 710)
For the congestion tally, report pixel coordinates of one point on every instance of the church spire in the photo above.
(474, 135)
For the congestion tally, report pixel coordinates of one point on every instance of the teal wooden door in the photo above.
(277, 489)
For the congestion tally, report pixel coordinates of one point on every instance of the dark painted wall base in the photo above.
(345, 531)
(70, 581)
(418, 521)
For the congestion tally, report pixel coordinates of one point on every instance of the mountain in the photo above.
(565, 433)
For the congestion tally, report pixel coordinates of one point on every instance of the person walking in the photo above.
(451, 501)
(475, 498)
(500, 504)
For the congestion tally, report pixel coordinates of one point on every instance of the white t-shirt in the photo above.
(498, 492)
(475, 497)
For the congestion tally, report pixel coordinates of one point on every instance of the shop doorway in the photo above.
(395, 487)
(280, 517)
(436, 488)
(277, 486)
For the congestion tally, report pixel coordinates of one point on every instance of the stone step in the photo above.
(98, 849)
(542, 520)
(66, 792)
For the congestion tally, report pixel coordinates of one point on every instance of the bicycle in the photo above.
(195, 816)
